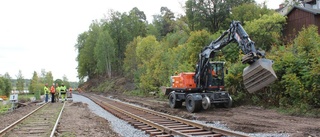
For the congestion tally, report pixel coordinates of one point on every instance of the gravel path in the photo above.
(118, 125)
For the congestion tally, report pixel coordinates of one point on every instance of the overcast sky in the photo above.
(41, 34)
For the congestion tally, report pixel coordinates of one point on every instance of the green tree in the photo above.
(34, 82)
(20, 82)
(7, 76)
(5, 86)
(43, 76)
(145, 51)
(296, 66)
(58, 81)
(49, 78)
(65, 81)
(8, 87)
(86, 60)
(248, 12)
(164, 23)
(210, 14)
(292, 3)
(137, 23)
(2, 86)
(131, 62)
(8, 84)
(152, 30)
(120, 34)
(82, 64)
(196, 42)
(104, 53)
(266, 31)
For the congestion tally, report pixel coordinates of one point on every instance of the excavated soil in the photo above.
(77, 120)
(248, 119)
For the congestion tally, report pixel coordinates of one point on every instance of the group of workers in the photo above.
(56, 92)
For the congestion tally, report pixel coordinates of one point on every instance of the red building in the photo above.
(299, 17)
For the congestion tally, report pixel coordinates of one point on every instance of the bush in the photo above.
(297, 67)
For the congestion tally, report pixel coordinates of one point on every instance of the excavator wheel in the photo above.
(258, 75)
(206, 103)
(173, 103)
(193, 105)
(228, 104)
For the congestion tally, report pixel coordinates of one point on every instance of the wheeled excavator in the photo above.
(204, 87)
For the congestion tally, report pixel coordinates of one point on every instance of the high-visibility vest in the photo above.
(52, 90)
(58, 89)
(46, 90)
(63, 89)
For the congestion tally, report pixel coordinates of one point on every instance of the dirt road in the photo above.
(246, 119)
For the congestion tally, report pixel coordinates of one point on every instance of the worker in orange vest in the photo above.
(52, 91)
(70, 92)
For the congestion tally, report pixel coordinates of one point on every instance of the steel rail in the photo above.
(189, 122)
(163, 128)
(143, 120)
(58, 119)
(18, 121)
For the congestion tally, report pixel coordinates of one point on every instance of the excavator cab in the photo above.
(216, 76)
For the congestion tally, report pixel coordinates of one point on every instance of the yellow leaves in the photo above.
(146, 48)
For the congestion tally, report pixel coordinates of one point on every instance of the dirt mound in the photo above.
(79, 104)
(120, 84)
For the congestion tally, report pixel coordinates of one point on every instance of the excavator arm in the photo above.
(257, 75)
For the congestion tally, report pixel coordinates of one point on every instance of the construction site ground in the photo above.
(79, 121)
(248, 119)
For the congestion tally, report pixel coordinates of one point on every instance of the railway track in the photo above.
(156, 123)
(42, 122)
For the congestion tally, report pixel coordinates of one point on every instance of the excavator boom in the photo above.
(256, 76)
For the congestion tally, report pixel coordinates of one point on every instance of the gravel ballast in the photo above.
(124, 129)
(118, 125)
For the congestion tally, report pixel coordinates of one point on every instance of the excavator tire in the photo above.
(173, 103)
(258, 75)
(193, 105)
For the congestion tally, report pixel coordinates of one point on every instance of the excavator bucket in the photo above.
(258, 75)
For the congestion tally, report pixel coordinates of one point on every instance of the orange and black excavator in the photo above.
(205, 86)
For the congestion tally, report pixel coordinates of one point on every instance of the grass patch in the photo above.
(136, 93)
(4, 108)
(25, 97)
(303, 112)
(105, 86)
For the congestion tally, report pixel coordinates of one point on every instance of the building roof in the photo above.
(310, 10)
(310, 1)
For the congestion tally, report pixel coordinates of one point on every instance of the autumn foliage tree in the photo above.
(148, 54)
(297, 67)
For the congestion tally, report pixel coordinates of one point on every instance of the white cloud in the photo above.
(271, 4)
